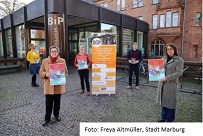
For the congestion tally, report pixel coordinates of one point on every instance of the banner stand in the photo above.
(103, 64)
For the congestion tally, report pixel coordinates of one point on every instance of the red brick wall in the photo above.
(192, 35)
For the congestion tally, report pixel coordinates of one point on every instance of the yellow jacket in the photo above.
(32, 55)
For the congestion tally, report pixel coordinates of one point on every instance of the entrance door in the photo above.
(73, 50)
(73, 43)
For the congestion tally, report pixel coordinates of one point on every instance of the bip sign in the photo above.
(55, 20)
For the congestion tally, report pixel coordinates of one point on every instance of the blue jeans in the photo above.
(168, 115)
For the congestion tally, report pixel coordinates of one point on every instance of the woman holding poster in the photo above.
(168, 85)
(82, 63)
(33, 58)
(52, 92)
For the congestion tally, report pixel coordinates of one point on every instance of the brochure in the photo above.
(57, 74)
(133, 60)
(156, 69)
(82, 64)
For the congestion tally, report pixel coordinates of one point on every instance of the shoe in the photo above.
(58, 118)
(45, 123)
(161, 120)
(36, 85)
(88, 93)
(82, 92)
(129, 87)
(137, 87)
(32, 85)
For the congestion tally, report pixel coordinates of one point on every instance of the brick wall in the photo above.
(192, 45)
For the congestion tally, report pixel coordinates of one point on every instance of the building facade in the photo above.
(67, 24)
(171, 21)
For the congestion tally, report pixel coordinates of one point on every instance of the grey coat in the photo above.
(167, 91)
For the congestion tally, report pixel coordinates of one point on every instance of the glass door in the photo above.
(73, 44)
(73, 51)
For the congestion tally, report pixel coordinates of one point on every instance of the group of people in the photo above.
(167, 87)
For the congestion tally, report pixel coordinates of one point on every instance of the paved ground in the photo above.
(22, 107)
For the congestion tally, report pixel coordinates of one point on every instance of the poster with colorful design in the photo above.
(82, 62)
(104, 64)
(156, 69)
(57, 74)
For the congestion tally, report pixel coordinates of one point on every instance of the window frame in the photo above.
(197, 20)
(137, 3)
(168, 24)
(123, 7)
(161, 20)
(153, 21)
(173, 19)
(118, 5)
(155, 2)
(160, 45)
(140, 17)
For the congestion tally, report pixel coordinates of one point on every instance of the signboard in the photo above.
(104, 65)
(156, 69)
(56, 30)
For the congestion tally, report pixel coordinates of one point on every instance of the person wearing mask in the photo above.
(134, 58)
(33, 59)
(52, 92)
(82, 63)
(168, 86)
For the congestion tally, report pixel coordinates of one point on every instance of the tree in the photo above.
(9, 6)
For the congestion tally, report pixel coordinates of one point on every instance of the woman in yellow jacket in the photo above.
(33, 58)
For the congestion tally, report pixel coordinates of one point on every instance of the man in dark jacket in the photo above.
(134, 57)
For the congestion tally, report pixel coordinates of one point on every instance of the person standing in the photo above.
(134, 58)
(52, 92)
(168, 86)
(33, 59)
(82, 63)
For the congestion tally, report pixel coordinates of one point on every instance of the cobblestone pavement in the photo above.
(22, 107)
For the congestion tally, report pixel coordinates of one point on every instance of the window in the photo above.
(140, 3)
(107, 29)
(155, 1)
(137, 3)
(1, 46)
(128, 39)
(140, 37)
(168, 19)
(105, 4)
(197, 19)
(20, 41)
(38, 39)
(9, 43)
(140, 18)
(175, 19)
(123, 4)
(154, 22)
(157, 48)
(118, 5)
(162, 21)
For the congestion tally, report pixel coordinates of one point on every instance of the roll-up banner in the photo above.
(56, 30)
(104, 64)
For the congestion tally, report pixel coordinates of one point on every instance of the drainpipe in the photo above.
(182, 42)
